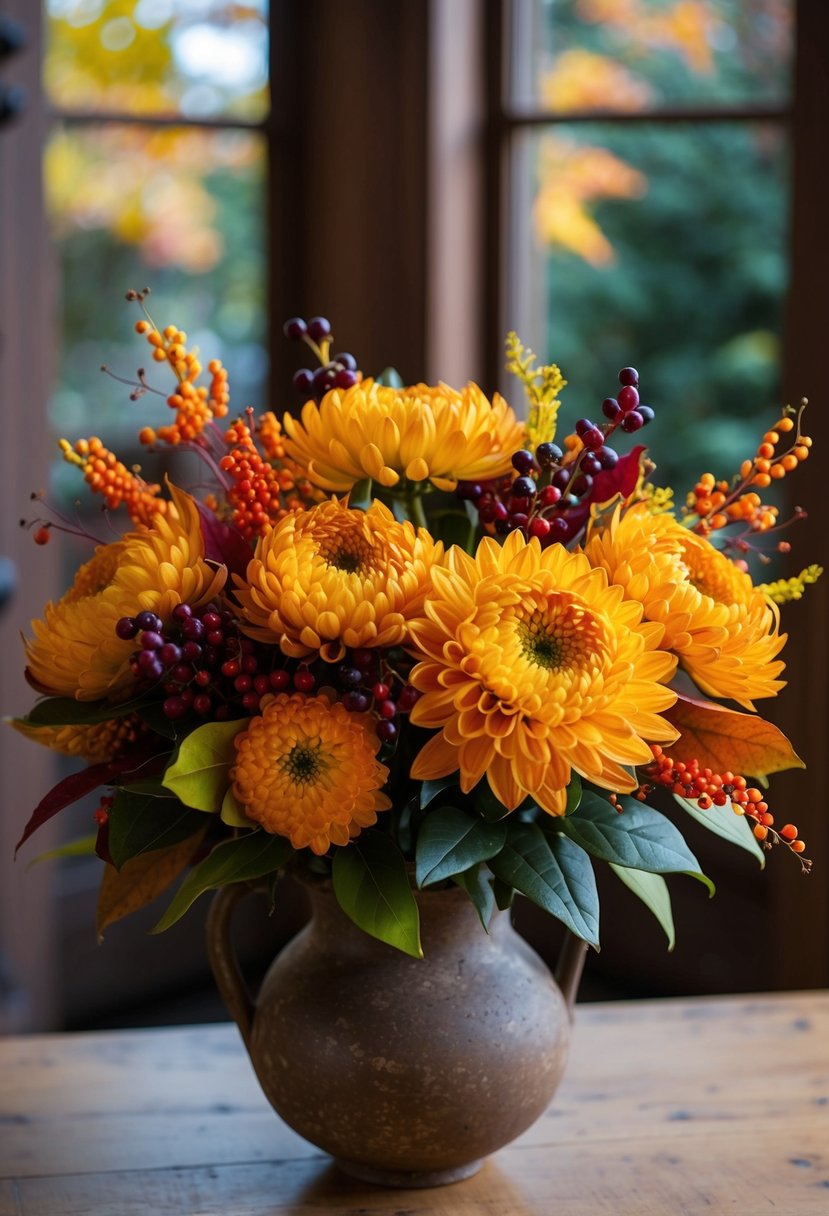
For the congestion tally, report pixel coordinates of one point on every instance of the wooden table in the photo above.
(668, 1107)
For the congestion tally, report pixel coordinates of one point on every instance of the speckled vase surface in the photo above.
(408, 1072)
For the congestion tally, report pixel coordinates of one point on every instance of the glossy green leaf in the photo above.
(477, 882)
(487, 804)
(573, 794)
(450, 841)
(635, 835)
(504, 894)
(372, 887)
(200, 774)
(243, 859)
(654, 894)
(233, 813)
(554, 873)
(391, 377)
(429, 790)
(360, 495)
(722, 821)
(140, 823)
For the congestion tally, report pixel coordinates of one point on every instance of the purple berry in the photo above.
(608, 458)
(148, 620)
(629, 375)
(522, 461)
(182, 673)
(593, 438)
(591, 463)
(558, 528)
(523, 487)
(583, 425)
(319, 328)
(632, 421)
(174, 708)
(193, 629)
(303, 381)
(628, 398)
(182, 612)
(356, 702)
(386, 731)
(347, 361)
(126, 628)
(323, 379)
(350, 677)
(345, 378)
(646, 412)
(560, 478)
(295, 329)
(611, 408)
(150, 640)
(169, 653)
(191, 651)
(581, 484)
(547, 455)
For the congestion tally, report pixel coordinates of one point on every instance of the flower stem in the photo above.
(414, 506)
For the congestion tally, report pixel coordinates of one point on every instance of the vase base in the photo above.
(408, 1178)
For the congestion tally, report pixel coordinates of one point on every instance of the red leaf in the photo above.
(723, 739)
(223, 544)
(621, 479)
(73, 787)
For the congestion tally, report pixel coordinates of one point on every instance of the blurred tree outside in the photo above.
(665, 244)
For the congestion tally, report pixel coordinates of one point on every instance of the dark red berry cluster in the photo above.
(335, 371)
(377, 680)
(549, 484)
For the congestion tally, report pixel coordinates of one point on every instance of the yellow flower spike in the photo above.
(530, 668)
(306, 769)
(96, 743)
(332, 577)
(722, 628)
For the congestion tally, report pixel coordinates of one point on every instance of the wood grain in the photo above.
(675, 1107)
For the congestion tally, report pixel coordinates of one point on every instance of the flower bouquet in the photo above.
(406, 641)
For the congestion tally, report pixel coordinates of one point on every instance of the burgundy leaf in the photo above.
(621, 479)
(223, 543)
(102, 843)
(76, 785)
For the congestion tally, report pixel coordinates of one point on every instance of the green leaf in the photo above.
(487, 804)
(477, 882)
(66, 711)
(451, 841)
(200, 774)
(83, 847)
(391, 377)
(372, 887)
(153, 715)
(149, 786)
(429, 790)
(573, 795)
(360, 496)
(140, 823)
(233, 813)
(453, 528)
(504, 894)
(722, 821)
(654, 894)
(636, 836)
(554, 873)
(240, 860)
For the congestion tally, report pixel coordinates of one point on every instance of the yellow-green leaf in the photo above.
(233, 813)
(200, 775)
(725, 740)
(140, 880)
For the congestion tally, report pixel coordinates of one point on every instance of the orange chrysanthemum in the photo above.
(95, 743)
(723, 628)
(535, 667)
(420, 433)
(306, 769)
(331, 577)
(75, 651)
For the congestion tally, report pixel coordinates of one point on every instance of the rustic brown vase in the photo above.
(408, 1072)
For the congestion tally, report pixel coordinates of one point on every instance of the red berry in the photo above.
(381, 692)
(628, 398)
(202, 678)
(632, 421)
(243, 683)
(230, 668)
(202, 704)
(592, 438)
(43, 536)
(279, 679)
(304, 681)
(408, 698)
(549, 496)
(295, 328)
(387, 709)
(262, 685)
(540, 527)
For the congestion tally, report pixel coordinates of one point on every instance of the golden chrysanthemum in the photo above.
(75, 651)
(723, 629)
(95, 743)
(332, 577)
(306, 769)
(419, 433)
(534, 667)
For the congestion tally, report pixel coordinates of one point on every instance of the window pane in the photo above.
(195, 58)
(178, 210)
(664, 249)
(636, 54)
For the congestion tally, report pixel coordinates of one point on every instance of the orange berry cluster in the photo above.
(195, 405)
(269, 432)
(718, 504)
(106, 475)
(686, 779)
(260, 493)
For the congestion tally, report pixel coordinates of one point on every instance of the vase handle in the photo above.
(223, 960)
(569, 968)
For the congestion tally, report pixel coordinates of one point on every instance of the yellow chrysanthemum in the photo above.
(75, 651)
(332, 577)
(420, 433)
(306, 769)
(723, 628)
(534, 667)
(96, 743)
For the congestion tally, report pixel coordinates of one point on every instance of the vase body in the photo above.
(408, 1071)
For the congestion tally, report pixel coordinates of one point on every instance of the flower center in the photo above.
(538, 646)
(560, 634)
(346, 549)
(304, 762)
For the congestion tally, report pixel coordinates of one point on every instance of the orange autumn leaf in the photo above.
(140, 880)
(725, 740)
